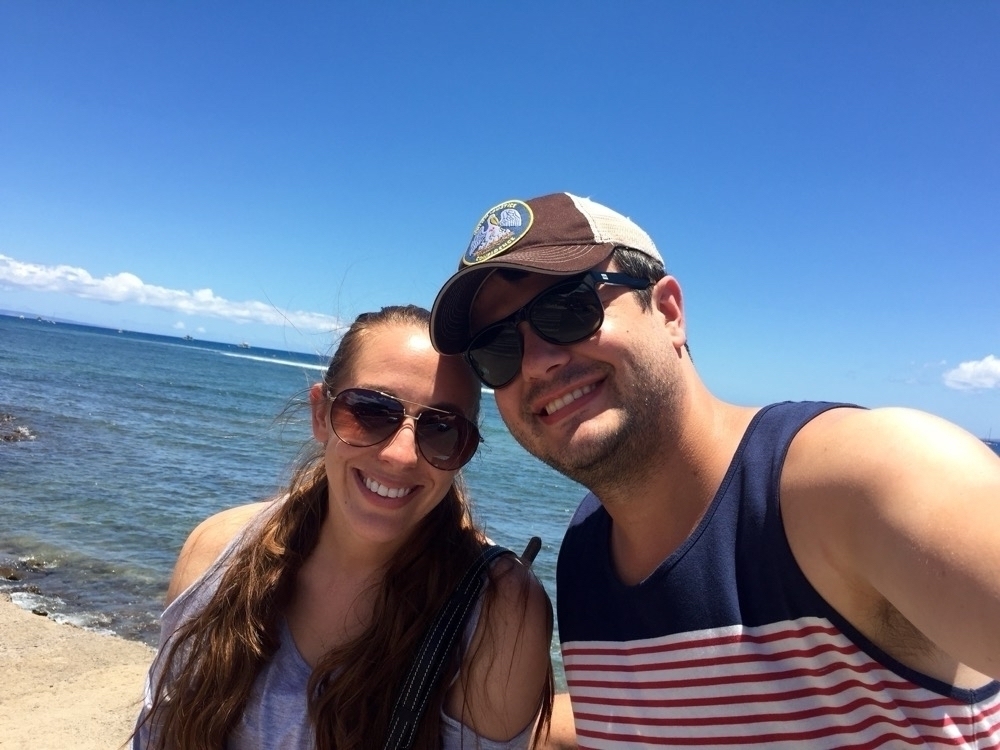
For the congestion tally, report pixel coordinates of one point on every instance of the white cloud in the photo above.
(127, 287)
(974, 375)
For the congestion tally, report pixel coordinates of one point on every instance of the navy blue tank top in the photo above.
(727, 643)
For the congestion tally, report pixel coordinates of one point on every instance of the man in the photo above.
(804, 574)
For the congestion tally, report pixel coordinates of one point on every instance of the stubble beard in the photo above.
(611, 463)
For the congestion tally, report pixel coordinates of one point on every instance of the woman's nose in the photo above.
(401, 448)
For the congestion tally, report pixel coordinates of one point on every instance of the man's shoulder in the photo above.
(854, 433)
(875, 449)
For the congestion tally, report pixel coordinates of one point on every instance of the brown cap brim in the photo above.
(451, 313)
(558, 234)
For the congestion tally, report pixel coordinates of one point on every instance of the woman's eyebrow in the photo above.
(448, 406)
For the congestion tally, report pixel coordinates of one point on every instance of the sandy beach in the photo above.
(63, 687)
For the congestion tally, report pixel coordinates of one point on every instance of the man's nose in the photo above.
(539, 357)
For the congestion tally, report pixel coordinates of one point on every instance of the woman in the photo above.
(292, 623)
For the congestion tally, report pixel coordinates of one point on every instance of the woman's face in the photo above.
(379, 494)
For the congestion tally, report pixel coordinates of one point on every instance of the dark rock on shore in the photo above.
(11, 432)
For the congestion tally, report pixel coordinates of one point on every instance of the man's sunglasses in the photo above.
(361, 417)
(565, 313)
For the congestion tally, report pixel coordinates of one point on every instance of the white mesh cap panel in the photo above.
(611, 226)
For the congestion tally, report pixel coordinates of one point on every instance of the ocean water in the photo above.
(114, 445)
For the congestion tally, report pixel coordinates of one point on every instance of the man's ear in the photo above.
(668, 300)
(320, 408)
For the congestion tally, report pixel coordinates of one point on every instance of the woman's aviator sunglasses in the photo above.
(565, 313)
(361, 417)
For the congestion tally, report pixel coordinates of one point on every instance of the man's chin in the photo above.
(590, 460)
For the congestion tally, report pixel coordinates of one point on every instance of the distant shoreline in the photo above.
(310, 358)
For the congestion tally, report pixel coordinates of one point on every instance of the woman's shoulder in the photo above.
(206, 542)
(516, 585)
(520, 612)
(510, 647)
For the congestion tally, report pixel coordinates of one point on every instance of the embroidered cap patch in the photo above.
(497, 231)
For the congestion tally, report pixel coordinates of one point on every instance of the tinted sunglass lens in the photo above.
(495, 354)
(447, 441)
(364, 418)
(565, 316)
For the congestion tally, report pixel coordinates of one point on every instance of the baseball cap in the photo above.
(558, 234)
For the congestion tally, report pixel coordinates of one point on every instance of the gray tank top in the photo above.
(276, 716)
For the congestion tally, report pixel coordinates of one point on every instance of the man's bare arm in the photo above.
(899, 507)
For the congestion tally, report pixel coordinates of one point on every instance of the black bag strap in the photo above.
(427, 665)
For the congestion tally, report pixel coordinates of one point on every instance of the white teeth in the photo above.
(381, 489)
(559, 403)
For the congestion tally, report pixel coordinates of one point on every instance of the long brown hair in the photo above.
(212, 660)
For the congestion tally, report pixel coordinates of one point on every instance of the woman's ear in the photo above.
(319, 406)
(668, 301)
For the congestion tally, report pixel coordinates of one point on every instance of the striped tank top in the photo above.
(727, 644)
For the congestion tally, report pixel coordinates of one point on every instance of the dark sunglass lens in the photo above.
(495, 354)
(447, 441)
(362, 418)
(567, 315)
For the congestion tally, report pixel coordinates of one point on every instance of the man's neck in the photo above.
(654, 515)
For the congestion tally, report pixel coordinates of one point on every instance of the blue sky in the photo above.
(822, 177)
